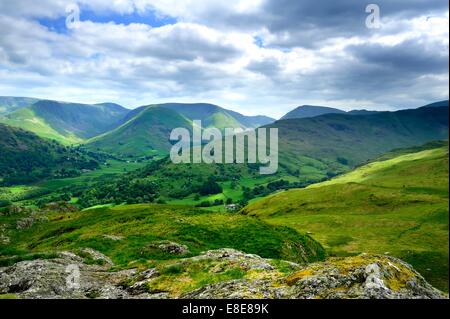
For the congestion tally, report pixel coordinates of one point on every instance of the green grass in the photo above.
(146, 134)
(311, 150)
(398, 206)
(114, 167)
(141, 226)
(178, 277)
(28, 120)
(25, 193)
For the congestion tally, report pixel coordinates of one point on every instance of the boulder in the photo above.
(359, 277)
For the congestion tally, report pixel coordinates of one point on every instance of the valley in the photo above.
(397, 206)
(93, 185)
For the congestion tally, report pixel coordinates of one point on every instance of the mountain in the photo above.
(67, 123)
(396, 206)
(305, 111)
(215, 116)
(146, 132)
(362, 112)
(438, 104)
(352, 140)
(313, 111)
(9, 104)
(310, 150)
(26, 158)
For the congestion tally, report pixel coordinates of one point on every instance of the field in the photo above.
(130, 234)
(397, 207)
(23, 193)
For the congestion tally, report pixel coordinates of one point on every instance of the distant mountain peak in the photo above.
(216, 116)
(305, 111)
(438, 104)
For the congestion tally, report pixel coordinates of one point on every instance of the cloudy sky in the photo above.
(252, 56)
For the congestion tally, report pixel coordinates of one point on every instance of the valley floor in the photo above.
(301, 243)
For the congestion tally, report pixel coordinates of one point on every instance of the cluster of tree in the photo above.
(9, 196)
(216, 202)
(198, 186)
(264, 190)
(26, 158)
(121, 190)
(210, 187)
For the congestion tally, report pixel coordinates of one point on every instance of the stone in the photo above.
(173, 248)
(358, 277)
(96, 255)
(24, 223)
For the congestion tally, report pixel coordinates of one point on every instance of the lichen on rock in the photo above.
(233, 275)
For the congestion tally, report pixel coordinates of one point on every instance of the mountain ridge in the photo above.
(69, 123)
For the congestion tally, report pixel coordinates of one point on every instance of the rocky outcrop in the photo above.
(364, 276)
(97, 256)
(60, 207)
(360, 277)
(172, 248)
(66, 277)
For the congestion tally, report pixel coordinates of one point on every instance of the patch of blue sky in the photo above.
(258, 41)
(149, 18)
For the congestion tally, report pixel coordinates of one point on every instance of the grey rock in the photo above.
(113, 237)
(361, 277)
(173, 248)
(96, 255)
(65, 277)
(24, 223)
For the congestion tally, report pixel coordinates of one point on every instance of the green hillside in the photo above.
(147, 133)
(27, 119)
(311, 150)
(353, 140)
(215, 116)
(146, 130)
(68, 123)
(137, 230)
(398, 206)
(26, 158)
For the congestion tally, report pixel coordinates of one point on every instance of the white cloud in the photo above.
(199, 59)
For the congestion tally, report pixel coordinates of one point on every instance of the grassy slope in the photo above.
(142, 226)
(398, 206)
(311, 150)
(47, 188)
(357, 139)
(145, 134)
(82, 120)
(68, 123)
(24, 154)
(215, 116)
(146, 130)
(28, 120)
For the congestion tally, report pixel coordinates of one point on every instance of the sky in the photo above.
(251, 56)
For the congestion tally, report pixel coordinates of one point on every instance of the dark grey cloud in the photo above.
(269, 67)
(409, 58)
(313, 52)
(307, 23)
